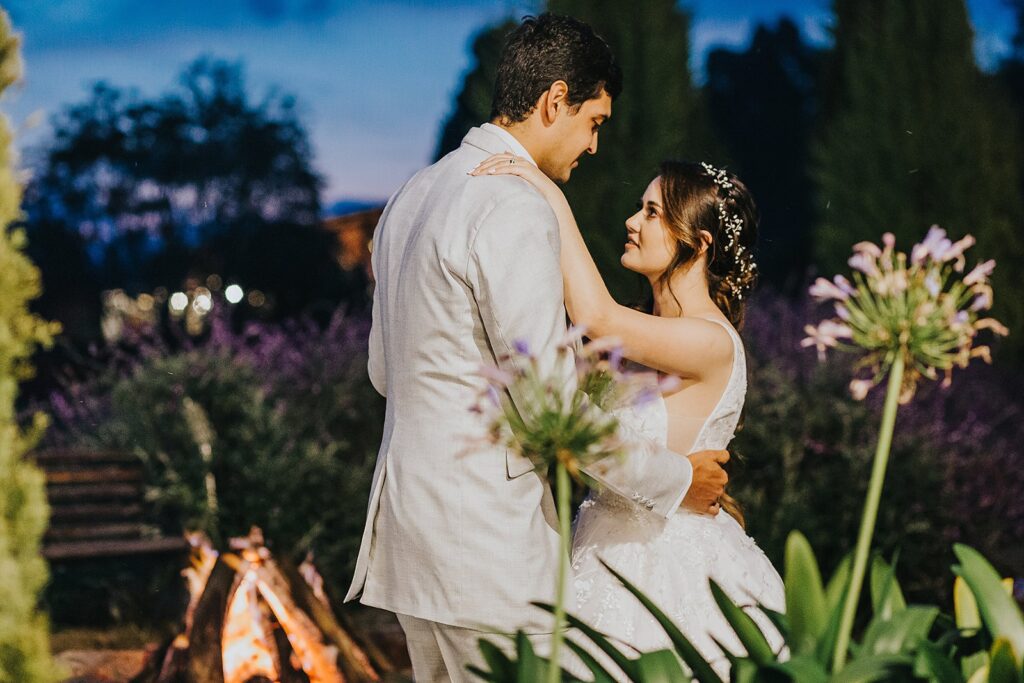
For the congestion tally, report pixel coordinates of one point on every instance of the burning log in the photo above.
(250, 619)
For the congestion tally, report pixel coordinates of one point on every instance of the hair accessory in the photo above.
(733, 223)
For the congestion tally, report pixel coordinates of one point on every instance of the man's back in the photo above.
(459, 534)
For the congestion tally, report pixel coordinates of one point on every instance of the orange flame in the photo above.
(247, 648)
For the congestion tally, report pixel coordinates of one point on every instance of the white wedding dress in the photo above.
(672, 560)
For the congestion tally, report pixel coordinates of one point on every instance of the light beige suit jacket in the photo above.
(466, 266)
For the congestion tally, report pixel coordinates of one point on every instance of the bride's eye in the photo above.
(651, 212)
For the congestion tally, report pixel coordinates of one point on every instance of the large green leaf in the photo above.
(1003, 667)
(886, 595)
(745, 671)
(746, 628)
(601, 674)
(531, 668)
(837, 585)
(805, 595)
(660, 666)
(901, 634)
(935, 665)
(1001, 615)
(835, 595)
(872, 668)
(702, 671)
(627, 665)
(802, 668)
(501, 668)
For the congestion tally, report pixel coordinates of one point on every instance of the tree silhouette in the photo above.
(764, 102)
(473, 103)
(914, 134)
(199, 180)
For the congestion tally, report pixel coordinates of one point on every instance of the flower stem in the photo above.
(868, 519)
(563, 492)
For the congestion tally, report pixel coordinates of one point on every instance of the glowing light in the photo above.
(257, 298)
(179, 301)
(234, 293)
(203, 302)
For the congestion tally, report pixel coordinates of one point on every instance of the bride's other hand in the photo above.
(507, 163)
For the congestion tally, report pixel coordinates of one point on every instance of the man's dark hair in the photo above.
(552, 48)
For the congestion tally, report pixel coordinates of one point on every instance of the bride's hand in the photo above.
(510, 164)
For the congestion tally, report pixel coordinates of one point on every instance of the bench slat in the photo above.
(82, 549)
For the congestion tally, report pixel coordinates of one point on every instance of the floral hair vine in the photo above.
(733, 224)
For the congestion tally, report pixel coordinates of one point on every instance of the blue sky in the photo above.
(374, 79)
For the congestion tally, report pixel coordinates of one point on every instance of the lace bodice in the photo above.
(671, 560)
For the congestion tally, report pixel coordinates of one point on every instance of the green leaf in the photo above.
(1001, 615)
(802, 668)
(627, 665)
(871, 668)
(805, 596)
(836, 589)
(501, 667)
(932, 663)
(660, 666)
(601, 674)
(702, 671)
(1003, 665)
(886, 596)
(531, 667)
(745, 627)
(745, 671)
(902, 633)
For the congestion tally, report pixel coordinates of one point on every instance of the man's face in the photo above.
(572, 135)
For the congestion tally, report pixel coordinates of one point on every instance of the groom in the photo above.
(458, 542)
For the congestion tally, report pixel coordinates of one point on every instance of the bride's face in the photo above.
(650, 246)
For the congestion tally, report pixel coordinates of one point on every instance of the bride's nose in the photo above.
(631, 223)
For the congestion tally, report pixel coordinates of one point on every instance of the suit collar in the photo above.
(490, 138)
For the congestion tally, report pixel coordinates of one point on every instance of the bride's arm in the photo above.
(686, 347)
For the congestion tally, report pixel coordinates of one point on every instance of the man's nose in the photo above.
(592, 149)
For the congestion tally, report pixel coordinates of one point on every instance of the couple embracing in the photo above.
(480, 251)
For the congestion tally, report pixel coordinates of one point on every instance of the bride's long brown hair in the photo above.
(692, 201)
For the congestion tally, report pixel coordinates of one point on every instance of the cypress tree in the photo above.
(764, 103)
(24, 636)
(473, 103)
(915, 135)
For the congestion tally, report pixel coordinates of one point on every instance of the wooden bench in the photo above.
(97, 506)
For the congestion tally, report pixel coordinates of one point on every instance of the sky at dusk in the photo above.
(374, 80)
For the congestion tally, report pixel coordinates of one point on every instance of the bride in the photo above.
(691, 237)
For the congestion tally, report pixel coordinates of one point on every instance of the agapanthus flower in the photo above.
(550, 423)
(920, 309)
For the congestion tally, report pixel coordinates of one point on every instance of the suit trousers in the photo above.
(440, 653)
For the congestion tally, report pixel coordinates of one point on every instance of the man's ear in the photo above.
(553, 100)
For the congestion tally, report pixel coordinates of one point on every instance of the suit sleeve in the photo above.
(375, 361)
(516, 278)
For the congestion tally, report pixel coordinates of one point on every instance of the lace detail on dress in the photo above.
(671, 560)
(720, 426)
